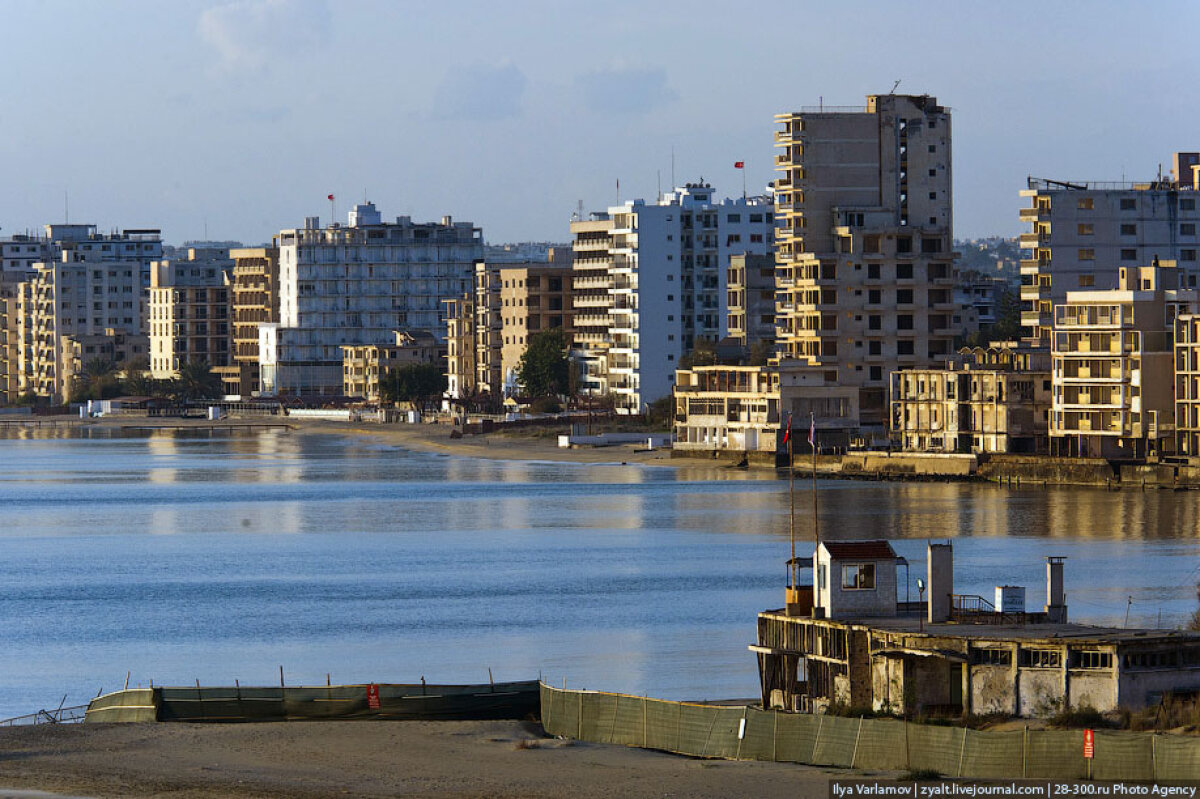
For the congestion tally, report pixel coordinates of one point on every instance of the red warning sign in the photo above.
(1089, 744)
(373, 697)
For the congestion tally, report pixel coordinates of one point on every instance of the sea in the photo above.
(171, 557)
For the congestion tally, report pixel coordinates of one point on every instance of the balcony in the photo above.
(1032, 240)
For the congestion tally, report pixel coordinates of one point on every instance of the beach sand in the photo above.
(370, 759)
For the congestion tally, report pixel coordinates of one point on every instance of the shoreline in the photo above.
(298, 760)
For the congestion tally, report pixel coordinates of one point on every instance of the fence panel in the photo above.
(835, 741)
(881, 744)
(1176, 757)
(598, 712)
(627, 726)
(662, 725)
(759, 740)
(1056, 754)
(1124, 756)
(937, 749)
(795, 737)
(993, 754)
(722, 739)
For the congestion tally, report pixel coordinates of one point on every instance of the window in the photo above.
(876, 372)
(1128, 255)
(874, 322)
(872, 271)
(1187, 255)
(933, 173)
(904, 244)
(1187, 205)
(756, 218)
(904, 271)
(933, 148)
(904, 347)
(874, 348)
(1129, 204)
(904, 321)
(1086, 281)
(1085, 204)
(858, 577)
(1128, 230)
(1040, 658)
(933, 195)
(874, 296)
(1085, 659)
(991, 657)
(1085, 229)
(1187, 229)
(734, 218)
(1087, 254)
(904, 296)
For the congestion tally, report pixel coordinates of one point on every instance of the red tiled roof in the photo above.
(859, 550)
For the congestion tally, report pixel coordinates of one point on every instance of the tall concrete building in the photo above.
(751, 292)
(1082, 233)
(651, 279)
(359, 284)
(189, 312)
(254, 301)
(865, 270)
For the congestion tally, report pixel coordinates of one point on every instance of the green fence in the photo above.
(746, 733)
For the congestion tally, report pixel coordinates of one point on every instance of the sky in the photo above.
(234, 119)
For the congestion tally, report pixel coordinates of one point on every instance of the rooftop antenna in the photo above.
(66, 207)
(672, 167)
(895, 86)
(660, 185)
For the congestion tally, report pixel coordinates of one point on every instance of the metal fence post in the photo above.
(643, 722)
(857, 736)
(817, 739)
(775, 736)
(962, 751)
(579, 725)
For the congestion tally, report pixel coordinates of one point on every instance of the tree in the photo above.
(197, 381)
(704, 353)
(98, 380)
(544, 370)
(412, 383)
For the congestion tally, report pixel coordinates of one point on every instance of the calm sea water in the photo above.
(183, 556)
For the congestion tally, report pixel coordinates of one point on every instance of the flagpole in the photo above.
(791, 497)
(812, 428)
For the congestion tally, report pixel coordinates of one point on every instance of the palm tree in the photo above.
(197, 381)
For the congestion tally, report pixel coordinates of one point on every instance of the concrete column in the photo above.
(940, 578)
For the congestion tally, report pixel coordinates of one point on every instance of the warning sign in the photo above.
(1089, 744)
(373, 698)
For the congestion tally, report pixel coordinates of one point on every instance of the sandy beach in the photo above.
(369, 759)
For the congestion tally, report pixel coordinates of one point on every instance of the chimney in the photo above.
(939, 574)
(1056, 599)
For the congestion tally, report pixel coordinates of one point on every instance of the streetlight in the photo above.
(921, 602)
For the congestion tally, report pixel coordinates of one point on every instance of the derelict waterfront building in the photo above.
(357, 285)
(865, 268)
(849, 640)
(189, 312)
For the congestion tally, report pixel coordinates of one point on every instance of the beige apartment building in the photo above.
(115, 346)
(254, 301)
(865, 269)
(189, 312)
(363, 366)
(79, 295)
(1113, 366)
(1082, 232)
(987, 400)
(489, 329)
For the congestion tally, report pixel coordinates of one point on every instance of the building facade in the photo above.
(357, 285)
(1113, 366)
(190, 312)
(865, 264)
(364, 366)
(987, 400)
(652, 279)
(254, 301)
(1081, 233)
(751, 302)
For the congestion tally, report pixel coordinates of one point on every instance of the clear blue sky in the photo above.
(244, 115)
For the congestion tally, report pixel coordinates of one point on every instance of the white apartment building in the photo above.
(358, 285)
(1082, 233)
(650, 279)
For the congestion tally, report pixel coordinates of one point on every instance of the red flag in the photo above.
(739, 164)
(787, 433)
(330, 197)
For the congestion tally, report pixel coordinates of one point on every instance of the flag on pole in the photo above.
(739, 164)
(787, 433)
(330, 197)
(812, 431)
